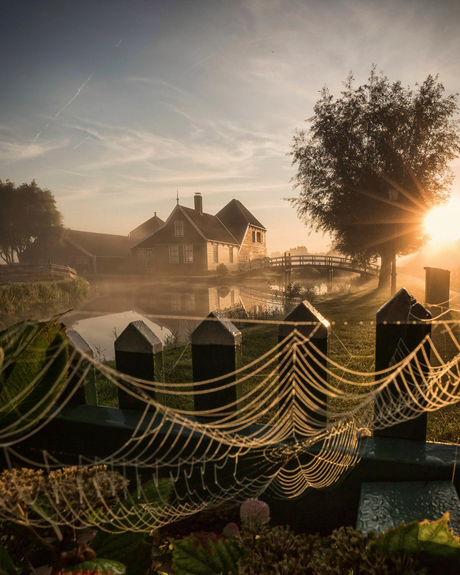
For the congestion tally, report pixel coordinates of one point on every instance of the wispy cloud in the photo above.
(16, 151)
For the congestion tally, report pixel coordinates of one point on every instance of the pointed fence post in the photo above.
(402, 324)
(86, 393)
(138, 353)
(297, 379)
(215, 352)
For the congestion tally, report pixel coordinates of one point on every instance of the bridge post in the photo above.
(330, 276)
(287, 268)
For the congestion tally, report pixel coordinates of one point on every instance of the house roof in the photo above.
(146, 228)
(211, 227)
(236, 219)
(102, 245)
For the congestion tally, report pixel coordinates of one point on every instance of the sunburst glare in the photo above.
(443, 222)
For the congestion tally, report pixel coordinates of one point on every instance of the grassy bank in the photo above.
(38, 300)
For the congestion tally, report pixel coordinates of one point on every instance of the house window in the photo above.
(141, 253)
(259, 237)
(216, 253)
(149, 254)
(189, 302)
(230, 254)
(174, 254)
(176, 302)
(253, 236)
(188, 253)
(179, 229)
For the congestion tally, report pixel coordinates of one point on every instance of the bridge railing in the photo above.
(310, 259)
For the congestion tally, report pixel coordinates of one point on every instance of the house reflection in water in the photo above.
(181, 307)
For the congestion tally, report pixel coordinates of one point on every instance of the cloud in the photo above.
(16, 151)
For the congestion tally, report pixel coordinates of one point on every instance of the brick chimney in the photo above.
(198, 203)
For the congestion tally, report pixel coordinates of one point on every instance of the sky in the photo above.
(118, 105)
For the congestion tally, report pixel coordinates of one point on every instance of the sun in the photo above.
(443, 222)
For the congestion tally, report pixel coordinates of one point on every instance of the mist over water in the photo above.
(172, 310)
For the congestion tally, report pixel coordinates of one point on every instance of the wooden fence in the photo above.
(26, 273)
(397, 453)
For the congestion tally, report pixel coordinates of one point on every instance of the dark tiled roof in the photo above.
(146, 228)
(210, 226)
(105, 245)
(236, 218)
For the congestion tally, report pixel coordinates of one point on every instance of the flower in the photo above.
(255, 511)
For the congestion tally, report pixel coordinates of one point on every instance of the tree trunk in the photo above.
(385, 270)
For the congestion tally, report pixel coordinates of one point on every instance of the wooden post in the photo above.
(86, 393)
(138, 353)
(437, 289)
(311, 402)
(330, 279)
(402, 324)
(215, 345)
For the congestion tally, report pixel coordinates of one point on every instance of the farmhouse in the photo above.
(86, 252)
(192, 241)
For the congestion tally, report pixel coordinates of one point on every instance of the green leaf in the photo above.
(6, 565)
(129, 548)
(34, 370)
(434, 539)
(100, 564)
(191, 557)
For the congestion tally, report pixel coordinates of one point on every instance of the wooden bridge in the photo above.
(288, 262)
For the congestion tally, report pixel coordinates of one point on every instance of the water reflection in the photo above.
(168, 309)
(101, 331)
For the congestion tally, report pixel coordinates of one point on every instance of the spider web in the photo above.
(294, 427)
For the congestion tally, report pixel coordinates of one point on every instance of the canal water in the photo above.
(171, 310)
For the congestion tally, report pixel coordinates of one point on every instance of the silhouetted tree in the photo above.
(370, 141)
(27, 213)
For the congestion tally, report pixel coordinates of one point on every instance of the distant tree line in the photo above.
(27, 213)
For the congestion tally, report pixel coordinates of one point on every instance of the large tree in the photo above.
(27, 214)
(374, 142)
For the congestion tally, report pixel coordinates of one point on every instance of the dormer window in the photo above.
(179, 229)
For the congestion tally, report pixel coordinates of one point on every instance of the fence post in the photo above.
(86, 393)
(296, 388)
(215, 350)
(138, 353)
(402, 324)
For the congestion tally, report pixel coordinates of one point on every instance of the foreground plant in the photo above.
(58, 512)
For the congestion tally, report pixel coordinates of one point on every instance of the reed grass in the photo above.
(37, 300)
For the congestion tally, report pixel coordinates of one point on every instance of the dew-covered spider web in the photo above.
(296, 423)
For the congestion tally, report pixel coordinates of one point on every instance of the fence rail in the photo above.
(288, 261)
(27, 273)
